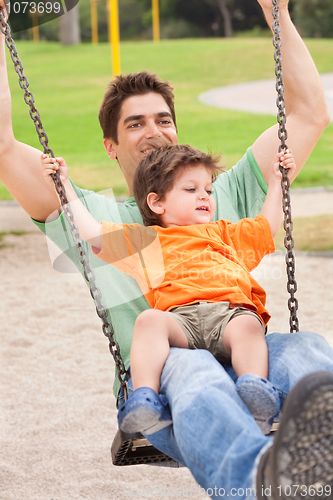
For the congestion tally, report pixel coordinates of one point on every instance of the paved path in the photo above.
(305, 203)
(256, 97)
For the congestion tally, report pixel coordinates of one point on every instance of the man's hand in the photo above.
(267, 4)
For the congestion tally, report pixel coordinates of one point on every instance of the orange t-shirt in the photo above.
(181, 265)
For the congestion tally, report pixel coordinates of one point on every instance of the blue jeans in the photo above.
(213, 433)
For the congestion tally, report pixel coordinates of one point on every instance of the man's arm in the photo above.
(20, 166)
(306, 109)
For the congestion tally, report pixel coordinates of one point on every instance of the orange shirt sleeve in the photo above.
(251, 238)
(135, 250)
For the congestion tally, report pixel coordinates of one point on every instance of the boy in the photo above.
(173, 188)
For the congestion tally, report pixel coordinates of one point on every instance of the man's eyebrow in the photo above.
(134, 118)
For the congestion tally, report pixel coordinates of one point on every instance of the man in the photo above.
(213, 434)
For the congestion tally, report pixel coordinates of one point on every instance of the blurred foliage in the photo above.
(195, 18)
(314, 18)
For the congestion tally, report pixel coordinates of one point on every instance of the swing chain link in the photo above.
(83, 256)
(285, 182)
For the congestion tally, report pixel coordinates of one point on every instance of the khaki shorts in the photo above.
(204, 323)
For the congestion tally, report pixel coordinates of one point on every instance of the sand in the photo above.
(57, 414)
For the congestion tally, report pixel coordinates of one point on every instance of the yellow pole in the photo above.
(94, 21)
(156, 21)
(35, 27)
(114, 24)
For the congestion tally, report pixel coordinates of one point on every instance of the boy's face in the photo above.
(145, 122)
(190, 201)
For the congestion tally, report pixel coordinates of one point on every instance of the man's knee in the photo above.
(193, 367)
(299, 343)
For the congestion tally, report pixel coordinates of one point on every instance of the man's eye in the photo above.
(135, 125)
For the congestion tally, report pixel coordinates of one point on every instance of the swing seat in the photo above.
(135, 449)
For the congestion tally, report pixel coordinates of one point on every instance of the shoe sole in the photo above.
(143, 420)
(263, 405)
(301, 459)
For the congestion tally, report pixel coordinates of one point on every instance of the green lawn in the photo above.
(69, 82)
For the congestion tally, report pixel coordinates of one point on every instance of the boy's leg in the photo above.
(244, 341)
(154, 332)
(146, 411)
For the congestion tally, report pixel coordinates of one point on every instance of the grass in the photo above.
(311, 234)
(69, 82)
(3, 234)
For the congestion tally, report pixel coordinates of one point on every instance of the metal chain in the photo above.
(83, 256)
(282, 133)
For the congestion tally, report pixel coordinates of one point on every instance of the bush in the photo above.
(314, 18)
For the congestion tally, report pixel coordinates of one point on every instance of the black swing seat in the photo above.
(135, 449)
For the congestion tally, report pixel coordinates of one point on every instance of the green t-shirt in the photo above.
(239, 192)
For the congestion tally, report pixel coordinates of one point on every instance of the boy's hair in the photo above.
(157, 174)
(124, 86)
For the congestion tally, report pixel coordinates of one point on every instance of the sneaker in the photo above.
(299, 464)
(145, 411)
(261, 398)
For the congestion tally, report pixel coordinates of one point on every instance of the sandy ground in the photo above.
(57, 409)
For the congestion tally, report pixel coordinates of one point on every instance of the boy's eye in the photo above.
(209, 191)
(190, 190)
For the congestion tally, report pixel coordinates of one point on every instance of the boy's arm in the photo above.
(272, 208)
(90, 230)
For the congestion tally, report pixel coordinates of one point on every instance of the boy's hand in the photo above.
(51, 165)
(285, 160)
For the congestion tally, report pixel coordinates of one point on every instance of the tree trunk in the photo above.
(69, 27)
(223, 6)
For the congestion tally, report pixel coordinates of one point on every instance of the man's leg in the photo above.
(292, 356)
(213, 433)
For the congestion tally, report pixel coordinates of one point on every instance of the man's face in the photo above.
(145, 123)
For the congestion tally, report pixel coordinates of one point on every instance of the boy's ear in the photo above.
(155, 204)
(108, 144)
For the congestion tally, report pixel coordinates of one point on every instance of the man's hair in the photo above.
(124, 86)
(157, 173)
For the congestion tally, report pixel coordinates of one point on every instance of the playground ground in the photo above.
(57, 411)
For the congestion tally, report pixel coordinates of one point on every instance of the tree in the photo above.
(314, 18)
(223, 6)
(69, 26)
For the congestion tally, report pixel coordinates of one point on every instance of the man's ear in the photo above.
(155, 204)
(108, 144)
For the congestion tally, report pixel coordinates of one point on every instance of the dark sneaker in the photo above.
(299, 464)
(261, 398)
(145, 411)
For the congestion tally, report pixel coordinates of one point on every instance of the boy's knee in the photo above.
(148, 317)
